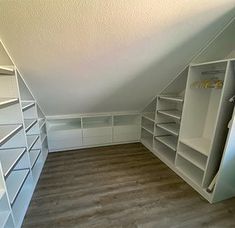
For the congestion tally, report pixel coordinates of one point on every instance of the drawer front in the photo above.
(96, 140)
(126, 137)
(102, 131)
(126, 129)
(65, 139)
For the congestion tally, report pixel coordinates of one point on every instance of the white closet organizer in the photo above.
(83, 131)
(18, 161)
(190, 126)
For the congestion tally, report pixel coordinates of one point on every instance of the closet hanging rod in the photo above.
(213, 72)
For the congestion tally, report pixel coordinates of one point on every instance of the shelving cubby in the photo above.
(126, 127)
(147, 138)
(150, 110)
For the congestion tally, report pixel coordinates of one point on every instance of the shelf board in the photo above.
(201, 145)
(42, 122)
(195, 162)
(31, 140)
(171, 113)
(9, 158)
(146, 129)
(4, 215)
(8, 101)
(43, 137)
(27, 105)
(29, 123)
(171, 98)
(34, 155)
(169, 141)
(6, 71)
(14, 183)
(7, 131)
(150, 116)
(172, 128)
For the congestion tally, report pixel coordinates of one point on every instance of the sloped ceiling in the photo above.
(80, 56)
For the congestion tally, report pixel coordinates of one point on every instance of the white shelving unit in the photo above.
(19, 128)
(74, 132)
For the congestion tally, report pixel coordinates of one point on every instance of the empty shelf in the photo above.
(41, 123)
(201, 145)
(172, 128)
(7, 131)
(200, 164)
(169, 141)
(4, 215)
(14, 183)
(27, 105)
(172, 98)
(149, 116)
(31, 140)
(172, 113)
(8, 101)
(34, 155)
(29, 123)
(6, 71)
(147, 129)
(43, 137)
(9, 158)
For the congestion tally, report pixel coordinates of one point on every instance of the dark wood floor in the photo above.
(119, 186)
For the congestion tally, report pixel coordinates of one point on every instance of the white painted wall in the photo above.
(96, 56)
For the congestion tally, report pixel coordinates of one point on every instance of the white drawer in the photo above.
(65, 139)
(102, 131)
(96, 140)
(129, 129)
(126, 137)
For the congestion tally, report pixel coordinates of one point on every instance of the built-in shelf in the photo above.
(8, 131)
(29, 123)
(43, 137)
(147, 129)
(8, 101)
(34, 155)
(42, 122)
(171, 98)
(194, 160)
(149, 115)
(201, 145)
(4, 215)
(98, 121)
(126, 120)
(169, 141)
(6, 71)
(172, 128)
(31, 140)
(171, 113)
(27, 105)
(9, 158)
(15, 182)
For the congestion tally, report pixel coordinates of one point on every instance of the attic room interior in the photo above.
(117, 113)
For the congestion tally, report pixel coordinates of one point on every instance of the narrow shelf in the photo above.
(31, 140)
(9, 158)
(29, 123)
(43, 137)
(171, 98)
(172, 113)
(14, 183)
(7, 131)
(6, 71)
(150, 116)
(147, 129)
(8, 101)
(34, 155)
(201, 145)
(42, 122)
(200, 164)
(4, 215)
(169, 141)
(172, 128)
(27, 105)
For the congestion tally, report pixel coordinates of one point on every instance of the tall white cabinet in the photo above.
(190, 129)
(23, 146)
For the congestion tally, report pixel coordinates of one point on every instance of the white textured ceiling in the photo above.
(82, 56)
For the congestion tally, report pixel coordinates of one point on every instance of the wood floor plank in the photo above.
(119, 186)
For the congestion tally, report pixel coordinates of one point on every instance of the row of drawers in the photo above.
(75, 138)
